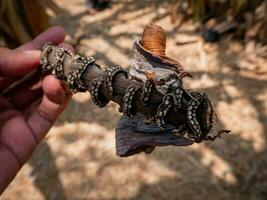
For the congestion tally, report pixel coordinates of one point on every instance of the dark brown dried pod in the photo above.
(150, 63)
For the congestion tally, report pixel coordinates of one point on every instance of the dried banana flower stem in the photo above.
(69, 64)
(151, 88)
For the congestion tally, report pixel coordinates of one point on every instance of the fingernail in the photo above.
(32, 52)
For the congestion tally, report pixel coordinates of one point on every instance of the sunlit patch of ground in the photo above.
(77, 159)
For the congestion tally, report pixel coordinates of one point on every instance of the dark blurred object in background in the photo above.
(98, 4)
(213, 33)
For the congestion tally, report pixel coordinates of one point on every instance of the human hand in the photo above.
(28, 110)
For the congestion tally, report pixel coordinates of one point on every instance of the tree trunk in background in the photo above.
(21, 20)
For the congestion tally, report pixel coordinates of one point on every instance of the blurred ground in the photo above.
(77, 159)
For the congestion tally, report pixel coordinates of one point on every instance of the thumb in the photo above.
(17, 63)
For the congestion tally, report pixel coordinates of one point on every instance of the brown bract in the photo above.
(153, 42)
(154, 39)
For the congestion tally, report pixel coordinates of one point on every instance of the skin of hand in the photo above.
(27, 111)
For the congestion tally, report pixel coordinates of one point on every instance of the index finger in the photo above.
(54, 34)
(24, 60)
